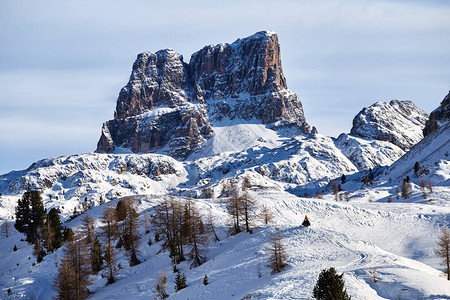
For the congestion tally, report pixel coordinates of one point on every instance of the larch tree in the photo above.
(277, 253)
(248, 211)
(211, 227)
(109, 232)
(443, 249)
(194, 234)
(73, 274)
(87, 228)
(234, 209)
(6, 228)
(266, 215)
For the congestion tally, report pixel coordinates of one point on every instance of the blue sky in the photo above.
(62, 63)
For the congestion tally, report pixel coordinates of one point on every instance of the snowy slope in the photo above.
(433, 156)
(67, 181)
(350, 237)
(366, 153)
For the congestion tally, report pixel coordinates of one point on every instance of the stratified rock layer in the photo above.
(172, 105)
(399, 122)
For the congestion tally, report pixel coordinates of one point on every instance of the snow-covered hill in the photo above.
(348, 236)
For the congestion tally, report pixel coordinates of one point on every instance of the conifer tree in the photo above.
(37, 216)
(74, 270)
(234, 209)
(330, 285)
(248, 211)
(211, 226)
(6, 228)
(443, 249)
(277, 254)
(266, 215)
(87, 228)
(23, 218)
(56, 225)
(96, 256)
(180, 281)
(205, 280)
(110, 262)
(194, 234)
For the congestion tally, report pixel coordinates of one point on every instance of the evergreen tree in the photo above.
(96, 256)
(343, 179)
(330, 285)
(278, 255)
(180, 281)
(37, 216)
(205, 280)
(23, 218)
(56, 225)
(416, 167)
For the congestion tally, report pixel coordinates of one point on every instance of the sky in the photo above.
(63, 63)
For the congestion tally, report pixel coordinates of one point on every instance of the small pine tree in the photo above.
(343, 179)
(9, 292)
(134, 261)
(416, 167)
(330, 285)
(205, 280)
(96, 256)
(15, 248)
(149, 241)
(180, 281)
(157, 237)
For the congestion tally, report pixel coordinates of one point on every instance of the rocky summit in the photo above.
(170, 105)
(399, 122)
(438, 116)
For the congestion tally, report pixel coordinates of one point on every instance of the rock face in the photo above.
(437, 116)
(399, 122)
(169, 103)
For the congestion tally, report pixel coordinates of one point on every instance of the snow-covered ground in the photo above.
(392, 242)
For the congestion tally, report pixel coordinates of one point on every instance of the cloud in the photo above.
(63, 63)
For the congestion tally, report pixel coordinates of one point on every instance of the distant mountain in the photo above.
(172, 106)
(398, 122)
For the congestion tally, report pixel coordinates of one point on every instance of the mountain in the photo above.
(172, 106)
(438, 116)
(398, 122)
(226, 124)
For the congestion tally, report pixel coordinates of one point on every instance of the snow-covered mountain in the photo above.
(172, 106)
(398, 122)
(228, 118)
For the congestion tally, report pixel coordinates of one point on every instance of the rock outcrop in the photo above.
(399, 122)
(439, 115)
(170, 104)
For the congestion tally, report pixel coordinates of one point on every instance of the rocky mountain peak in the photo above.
(399, 122)
(439, 115)
(169, 103)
